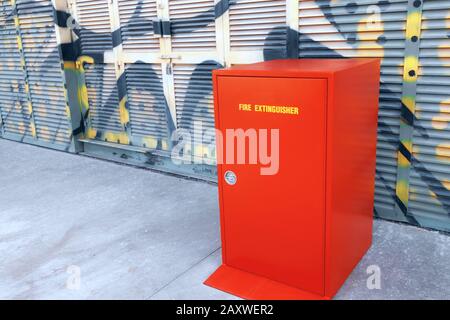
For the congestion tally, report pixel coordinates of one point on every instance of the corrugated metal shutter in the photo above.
(136, 18)
(174, 83)
(358, 36)
(430, 174)
(13, 99)
(103, 98)
(258, 25)
(43, 66)
(144, 121)
(94, 19)
(146, 101)
(192, 25)
(194, 101)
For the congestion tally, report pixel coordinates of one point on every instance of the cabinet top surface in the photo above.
(296, 67)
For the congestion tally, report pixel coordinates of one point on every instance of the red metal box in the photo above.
(297, 207)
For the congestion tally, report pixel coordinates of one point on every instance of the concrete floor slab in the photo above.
(134, 234)
(413, 264)
(129, 231)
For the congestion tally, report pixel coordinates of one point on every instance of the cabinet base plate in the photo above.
(253, 287)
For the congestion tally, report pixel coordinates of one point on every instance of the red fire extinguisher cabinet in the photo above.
(299, 233)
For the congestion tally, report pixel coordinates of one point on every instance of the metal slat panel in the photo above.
(146, 100)
(430, 174)
(136, 18)
(44, 70)
(192, 26)
(362, 31)
(13, 99)
(95, 33)
(194, 100)
(258, 25)
(103, 99)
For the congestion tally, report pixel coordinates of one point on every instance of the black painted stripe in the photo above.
(61, 18)
(404, 210)
(122, 86)
(80, 129)
(407, 115)
(292, 43)
(166, 28)
(401, 205)
(405, 152)
(221, 7)
(86, 114)
(162, 28)
(117, 37)
(70, 51)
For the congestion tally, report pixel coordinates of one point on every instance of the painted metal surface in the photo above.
(202, 35)
(301, 226)
(39, 112)
(15, 116)
(365, 29)
(429, 201)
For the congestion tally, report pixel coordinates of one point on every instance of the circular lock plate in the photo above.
(230, 178)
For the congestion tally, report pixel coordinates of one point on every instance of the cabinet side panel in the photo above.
(219, 154)
(352, 138)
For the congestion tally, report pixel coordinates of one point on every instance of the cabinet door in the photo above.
(274, 225)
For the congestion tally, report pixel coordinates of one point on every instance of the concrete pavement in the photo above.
(73, 227)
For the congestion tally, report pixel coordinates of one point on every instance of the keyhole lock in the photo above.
(230, 178)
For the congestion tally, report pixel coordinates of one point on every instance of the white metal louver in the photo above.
(95, 26)
(192, 25)
(103, 98)
(131, 73)
(44, 71)
(255, 26)
(136, 17)
(365, 28)
(194, 102)
(430, 174)
(13, 99)
(146, 101)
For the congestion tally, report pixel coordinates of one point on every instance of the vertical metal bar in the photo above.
(292, 22)
(167, 66)
(63, 35)
(409, 91)
(24, 69)
(226, 37)
(124, 109)
(74, 66)
(221, 6)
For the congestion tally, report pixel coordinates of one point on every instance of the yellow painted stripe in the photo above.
(82, 60)
(413, 24)
(69, 65)
(403, 192)
(150, 142)
(411, 65)
(410, 103)
(403, 161)
(91, 133)
(123, 111)
(408, 145)
(33, 129)
(120, 137)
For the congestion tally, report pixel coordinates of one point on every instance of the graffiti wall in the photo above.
(33, 100)
(119, 79)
